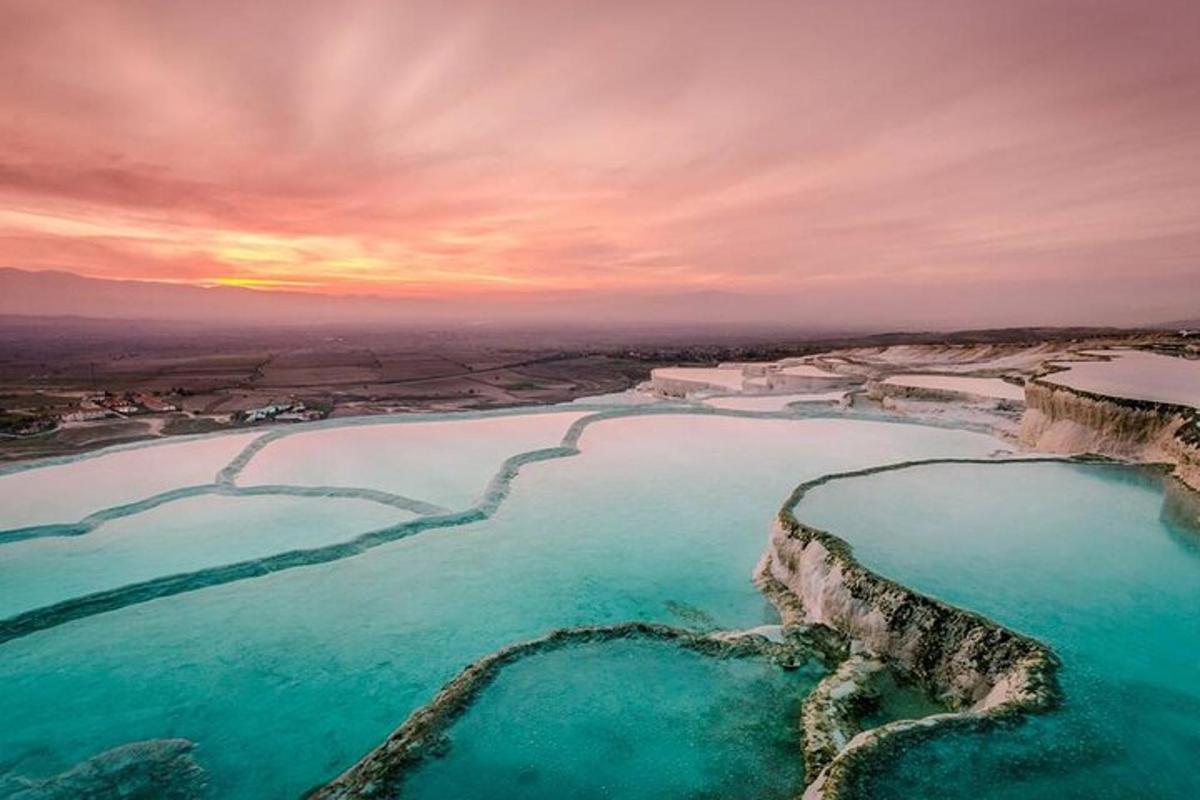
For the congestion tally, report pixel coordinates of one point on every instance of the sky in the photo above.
(939, 163)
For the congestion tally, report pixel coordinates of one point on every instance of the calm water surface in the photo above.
(1084, 558)
(286, 680)
(630, 720)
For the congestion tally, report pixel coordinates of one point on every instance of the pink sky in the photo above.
(990, 162)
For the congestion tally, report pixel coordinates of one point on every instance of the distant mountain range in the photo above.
(53, 293)
(1181, 324)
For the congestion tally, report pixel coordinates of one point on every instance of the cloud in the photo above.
(753, 147)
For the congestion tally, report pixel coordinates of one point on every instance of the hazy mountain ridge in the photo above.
(60, 293)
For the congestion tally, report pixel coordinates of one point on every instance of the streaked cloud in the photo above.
(888, 159)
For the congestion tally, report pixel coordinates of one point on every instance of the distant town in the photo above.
(125, 405)
(75, 385)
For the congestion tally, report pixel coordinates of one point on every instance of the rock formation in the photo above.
(380, 773)
(160, 769)
(975, 666)
(1061, 419)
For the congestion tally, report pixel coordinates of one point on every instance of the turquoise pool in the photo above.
(286, 679)
(627, 719)
(1086, 558)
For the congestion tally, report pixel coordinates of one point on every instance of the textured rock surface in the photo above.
(381, 771)
(833, 710)
(965, 659)
(1059, 419)
(160, 769)
(983, 670)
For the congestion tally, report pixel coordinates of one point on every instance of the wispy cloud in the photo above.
(854, 153)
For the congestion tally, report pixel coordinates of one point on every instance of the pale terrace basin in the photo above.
(69, 491)
(300, 663)
(771, 402)
(975, 387)
(807, 371)
(685, 380)
(752, 377)
(187, 534)
(447, 463)
(1135, 375)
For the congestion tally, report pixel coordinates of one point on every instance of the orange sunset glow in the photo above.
(908, 159)
(599, 399)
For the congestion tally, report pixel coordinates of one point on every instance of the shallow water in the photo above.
(808, 371)
(181, 536)
(629, 720)
(444, 462)
(287, 679)
(70, 491)
(1082, 557)
(771, 402)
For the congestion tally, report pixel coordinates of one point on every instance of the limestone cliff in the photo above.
(981, 669)
(1060, 419)
(968, 661)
